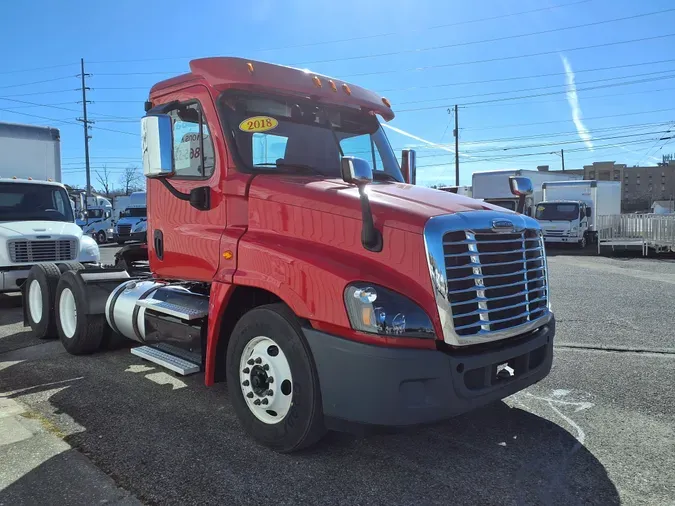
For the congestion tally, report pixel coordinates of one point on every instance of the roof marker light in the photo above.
(332, 85)
(250, 67)
(386, 102)
(317, 81)
(346, 89)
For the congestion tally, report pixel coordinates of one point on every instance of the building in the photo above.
(640, 186)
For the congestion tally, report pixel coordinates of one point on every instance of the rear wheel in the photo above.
(40, 290)
(79, 331)
(272, 380)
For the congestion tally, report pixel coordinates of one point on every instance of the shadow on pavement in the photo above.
(185, 445)
(66, 478)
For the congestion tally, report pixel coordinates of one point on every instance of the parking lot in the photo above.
(600, 429)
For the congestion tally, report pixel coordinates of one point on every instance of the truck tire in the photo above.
(101, 237)
(121, 243)
(39, 296)
(272, 380)
(80, 333)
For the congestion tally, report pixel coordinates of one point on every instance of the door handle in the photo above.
(158, 241)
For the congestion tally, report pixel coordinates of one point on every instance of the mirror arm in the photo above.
(521, 203)
(371, 238)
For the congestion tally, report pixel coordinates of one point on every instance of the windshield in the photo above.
(34, 202)
(506, 204)
(289, 134)
(94, 214)
(134, 212)
(557, 212)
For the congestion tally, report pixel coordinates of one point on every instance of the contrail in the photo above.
(429, 143)
(573, 100)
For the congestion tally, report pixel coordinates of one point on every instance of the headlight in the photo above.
(378, 310)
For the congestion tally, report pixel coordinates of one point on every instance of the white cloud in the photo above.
(573, 100)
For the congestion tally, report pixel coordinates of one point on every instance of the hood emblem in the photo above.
(503, 225)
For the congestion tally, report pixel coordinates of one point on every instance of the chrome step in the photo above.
(166, 360)
(185, 313)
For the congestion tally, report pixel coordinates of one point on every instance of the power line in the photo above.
(638, 113)
(37, 68)
(36, 82)
(494, 102)
(41, 93)
(517, 78)
(484, 41)
(557, 86)
(370, 36)
(514, 57)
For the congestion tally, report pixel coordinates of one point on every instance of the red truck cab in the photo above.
(326, 287)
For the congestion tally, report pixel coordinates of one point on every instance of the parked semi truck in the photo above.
(328, 289)
(96, 220)
(37, 222)
(492, 186)
(569, 210)
(131, 224)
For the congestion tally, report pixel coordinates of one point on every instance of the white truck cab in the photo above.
(37, 226)
(132, 223)
(564, 221)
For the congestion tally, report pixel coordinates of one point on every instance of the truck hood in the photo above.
(29, 229)
(398, 205)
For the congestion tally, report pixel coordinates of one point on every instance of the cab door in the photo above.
(183, 240)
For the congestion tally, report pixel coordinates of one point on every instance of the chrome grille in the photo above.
(495, 280)
(124, 229)
(22, 251)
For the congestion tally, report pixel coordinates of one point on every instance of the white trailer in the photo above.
(493, 186)
(30, 152)
(459, 190)
(568, 212)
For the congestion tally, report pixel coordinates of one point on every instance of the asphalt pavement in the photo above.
(600, 429)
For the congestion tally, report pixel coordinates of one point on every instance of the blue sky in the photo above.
(390, 47)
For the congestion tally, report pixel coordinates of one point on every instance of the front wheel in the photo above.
(272, 380)
(101, 237)
(582, 243)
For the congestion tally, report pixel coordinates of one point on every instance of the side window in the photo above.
(268, 148)
(362, 146)
(59, 203)
(192, 144)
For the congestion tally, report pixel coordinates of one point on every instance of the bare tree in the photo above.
(104, 178)
(130, 179)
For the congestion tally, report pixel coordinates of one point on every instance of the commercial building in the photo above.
(640, 186)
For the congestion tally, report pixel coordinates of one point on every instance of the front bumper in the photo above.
(12, 279)
(561, 239)
(398, 387)
(136, 236)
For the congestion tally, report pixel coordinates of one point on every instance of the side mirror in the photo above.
(588, 212)
(356, 171)
(521, 187)
(157, 143)
(409, 166)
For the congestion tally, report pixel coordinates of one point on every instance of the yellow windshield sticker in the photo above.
(258, 124)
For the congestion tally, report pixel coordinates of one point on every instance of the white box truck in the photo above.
(37, 222)
(492, 186)
(568, 212)
(459, 190)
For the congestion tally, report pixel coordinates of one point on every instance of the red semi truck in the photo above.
(291, 256)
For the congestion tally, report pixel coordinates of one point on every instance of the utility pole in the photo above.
(86, 124)
(456, 133)
(562, 155)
